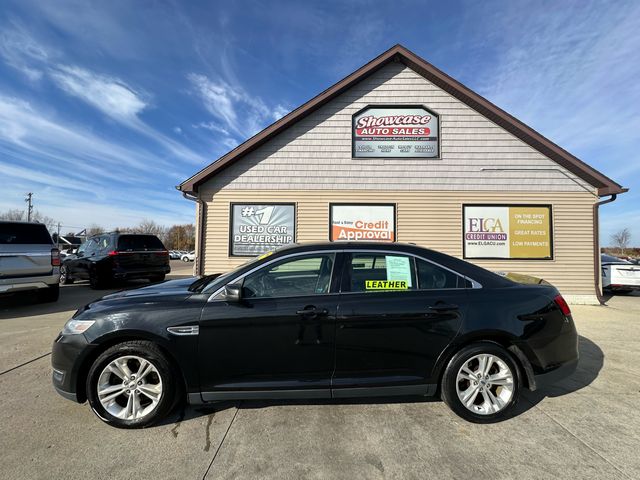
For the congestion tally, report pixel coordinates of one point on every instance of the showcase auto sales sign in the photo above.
(395, 131)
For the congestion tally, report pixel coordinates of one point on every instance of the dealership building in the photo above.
(400, 151)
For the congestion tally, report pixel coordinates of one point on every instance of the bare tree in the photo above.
(13, 215)
(621, 239)
(94, 229)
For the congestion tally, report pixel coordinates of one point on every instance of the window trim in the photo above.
(212, 297)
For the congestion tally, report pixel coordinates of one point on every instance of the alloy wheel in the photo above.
(129, 387)
(485, 384)
(63, 275)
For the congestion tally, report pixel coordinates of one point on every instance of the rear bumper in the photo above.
(147, 273)
(10, 285)
(550, 377)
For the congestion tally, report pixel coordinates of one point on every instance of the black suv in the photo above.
(105, 258)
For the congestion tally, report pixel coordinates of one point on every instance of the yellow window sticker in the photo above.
(265, 255)
(386, 285)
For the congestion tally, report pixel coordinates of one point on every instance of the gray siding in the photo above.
(476, 154)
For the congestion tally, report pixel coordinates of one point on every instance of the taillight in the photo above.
(55, 257)
(562, 304)
(113, 253)
(164, 253)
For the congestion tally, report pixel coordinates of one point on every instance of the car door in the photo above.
(279, 337)
(395, 316)
(75, 266)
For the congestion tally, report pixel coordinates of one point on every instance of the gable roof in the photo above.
(398, 53)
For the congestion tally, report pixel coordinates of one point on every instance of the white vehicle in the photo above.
(188, 257)
(619, 275)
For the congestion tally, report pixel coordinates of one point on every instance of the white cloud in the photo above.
(20, 51)
(212, 126)
(177, 130)
(280, 111)
(242, 114)
(108, 94)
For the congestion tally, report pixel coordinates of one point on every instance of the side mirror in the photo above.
(233, 293)
(79, 254)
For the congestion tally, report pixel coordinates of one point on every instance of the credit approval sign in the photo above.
(362, 222)
(508, 232)
(396, 131)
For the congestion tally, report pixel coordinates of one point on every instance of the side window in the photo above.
(103, 244)
(304, 275)
(433, 277)
(375, 272)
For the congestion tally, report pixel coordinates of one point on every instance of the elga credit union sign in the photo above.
(395, 131)
(259, 228)
(508, 231)
(362, 222)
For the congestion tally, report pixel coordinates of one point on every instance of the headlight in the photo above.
(74, 327)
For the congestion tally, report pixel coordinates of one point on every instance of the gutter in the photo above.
(596, 245)
(200, 232)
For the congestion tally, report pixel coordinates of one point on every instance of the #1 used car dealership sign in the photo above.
(396, 132)
(508, 231)
(260, 228)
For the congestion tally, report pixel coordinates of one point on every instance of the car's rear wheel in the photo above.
(185, 259)
(65, 279)
(482, 383)
(131, 385)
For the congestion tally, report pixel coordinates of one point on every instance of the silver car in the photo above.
(29, 260)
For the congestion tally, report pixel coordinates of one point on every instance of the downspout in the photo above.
(200, 232)
(596, 245)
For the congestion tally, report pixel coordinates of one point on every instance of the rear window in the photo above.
(132, 243)
(611, 259)
(24, 234)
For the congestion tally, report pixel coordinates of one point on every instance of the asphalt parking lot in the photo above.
(584, 427)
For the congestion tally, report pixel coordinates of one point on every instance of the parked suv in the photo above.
(28, 260)
(105, 258)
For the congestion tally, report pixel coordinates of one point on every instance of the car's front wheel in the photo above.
(131, 385)
(482, 383)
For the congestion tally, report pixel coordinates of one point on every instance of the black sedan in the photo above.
(331, 320)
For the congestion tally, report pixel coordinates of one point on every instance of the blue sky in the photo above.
(106, 106)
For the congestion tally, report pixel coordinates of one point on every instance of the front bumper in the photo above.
(67, 358)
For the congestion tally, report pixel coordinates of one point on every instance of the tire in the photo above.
(157, 278)
(65, 279)
(160, 382)
(185, 259)
(49, 294)
(488, 402)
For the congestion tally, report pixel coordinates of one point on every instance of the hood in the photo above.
(170, 287)
(170, 291)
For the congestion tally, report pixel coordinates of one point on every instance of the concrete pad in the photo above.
(414, 440)
(45, 436)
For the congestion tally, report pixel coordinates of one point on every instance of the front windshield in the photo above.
(218, 281)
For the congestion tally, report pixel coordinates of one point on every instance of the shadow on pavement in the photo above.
(589, 366)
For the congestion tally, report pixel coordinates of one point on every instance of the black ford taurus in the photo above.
(318, 321)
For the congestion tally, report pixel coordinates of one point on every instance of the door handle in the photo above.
(312, 311)
(443, 307)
